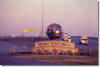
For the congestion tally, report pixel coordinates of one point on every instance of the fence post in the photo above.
(14, 51)
(90, 51)
(10, 51)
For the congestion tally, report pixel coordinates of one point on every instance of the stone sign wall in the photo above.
(54, 45)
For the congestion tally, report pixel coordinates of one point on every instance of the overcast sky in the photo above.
(77, 17)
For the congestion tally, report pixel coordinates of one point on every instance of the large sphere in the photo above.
(54, 31)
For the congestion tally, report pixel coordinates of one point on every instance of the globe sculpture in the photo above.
(54, 31)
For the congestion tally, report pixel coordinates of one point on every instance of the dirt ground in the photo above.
(64, 60)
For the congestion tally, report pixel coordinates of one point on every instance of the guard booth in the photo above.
(84, 40)
(66, 37)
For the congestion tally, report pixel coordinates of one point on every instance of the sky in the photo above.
(77, 17)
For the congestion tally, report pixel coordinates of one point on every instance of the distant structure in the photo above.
(54, 31)
(22, 35)
(2, 36)
(13, 36)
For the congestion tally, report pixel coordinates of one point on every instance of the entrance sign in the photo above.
(51, 45)
(55, 43)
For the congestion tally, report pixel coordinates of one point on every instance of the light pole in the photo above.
(42, 15)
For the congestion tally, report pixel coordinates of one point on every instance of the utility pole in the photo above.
(42, 15)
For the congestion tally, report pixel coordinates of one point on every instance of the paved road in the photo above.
(10, 60)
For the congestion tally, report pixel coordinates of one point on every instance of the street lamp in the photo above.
(42, 15)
